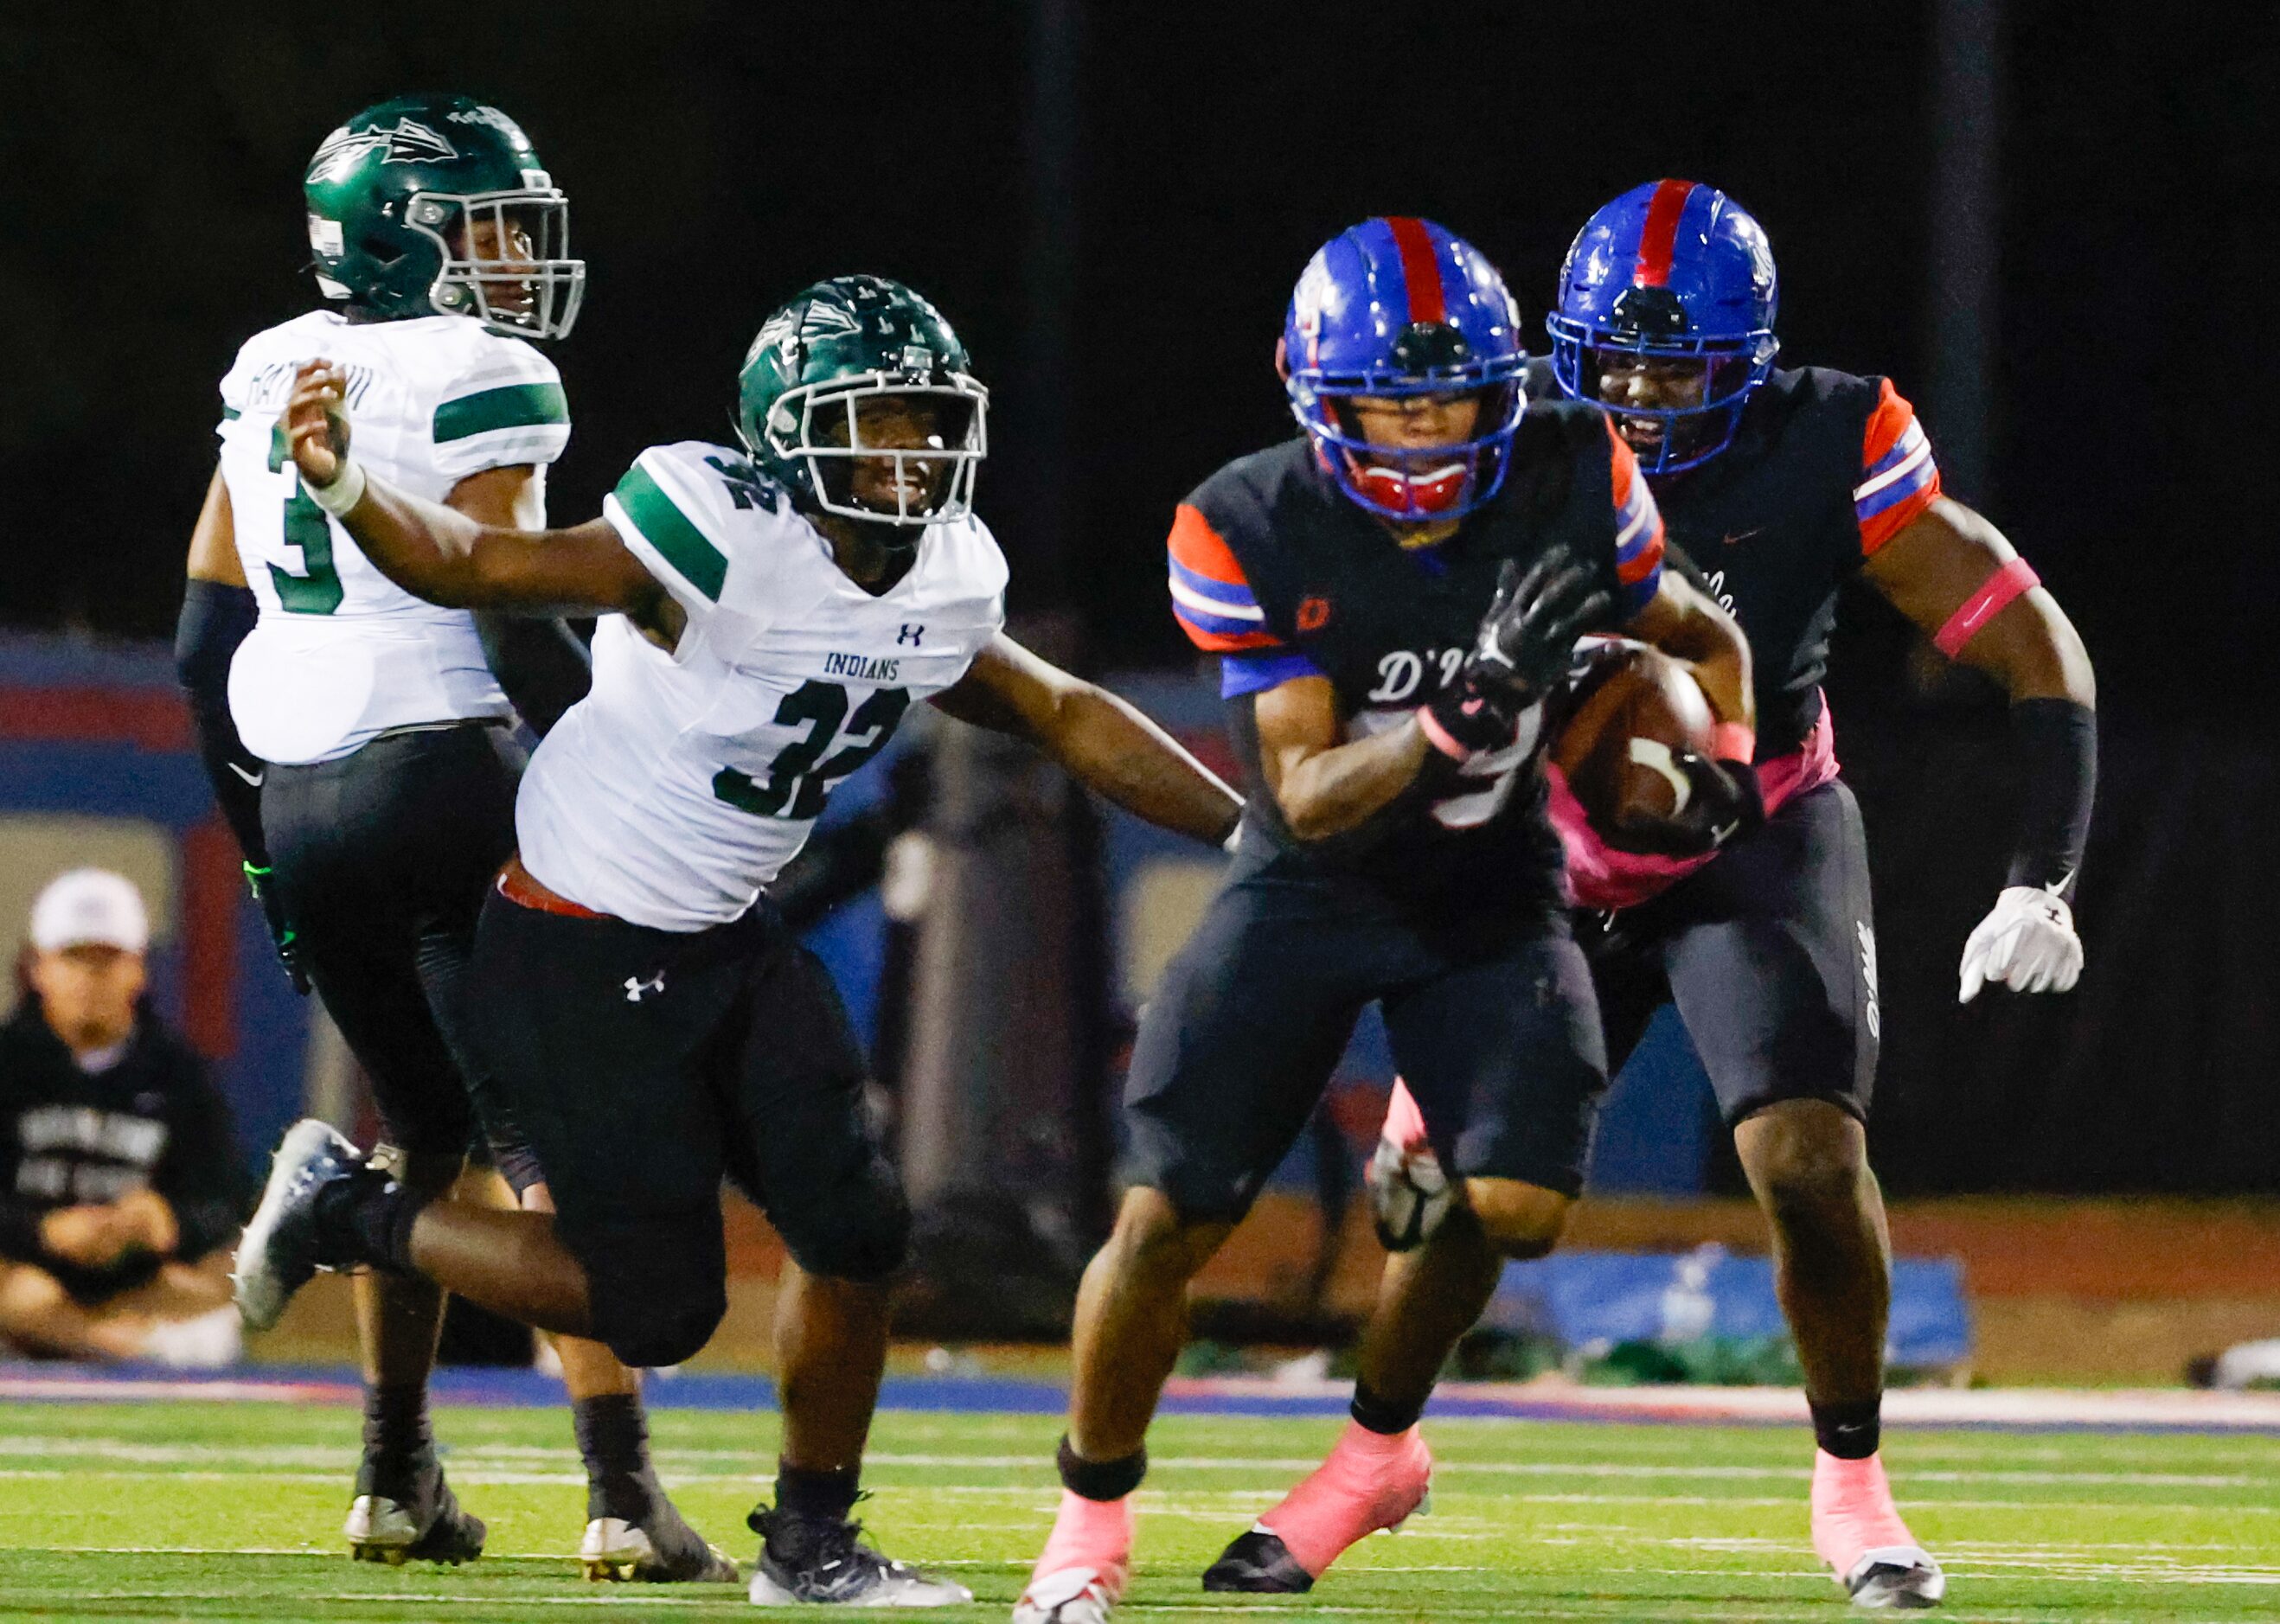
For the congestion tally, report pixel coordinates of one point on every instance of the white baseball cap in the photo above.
(91, 905)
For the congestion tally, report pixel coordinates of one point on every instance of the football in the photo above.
(1629, 706)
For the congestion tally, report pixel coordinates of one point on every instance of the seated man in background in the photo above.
(119, 1184)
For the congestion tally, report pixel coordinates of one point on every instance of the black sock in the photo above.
(1380, 1414)
(613, 1438)
(829, 1494)
(367, 1219)
(396, 1420)
(1101, 1479)
(1850, 1432)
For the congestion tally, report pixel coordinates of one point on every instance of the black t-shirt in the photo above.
(72, 1138)
(1276, 569)
(1824, 469)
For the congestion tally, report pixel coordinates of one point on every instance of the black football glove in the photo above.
(1529, 634)
(1723, 804)
(280, 928)
(1522, 652)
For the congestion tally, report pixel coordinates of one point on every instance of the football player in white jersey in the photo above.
(770, 614)
(360, 742)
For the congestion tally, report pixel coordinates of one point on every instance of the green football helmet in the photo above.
(431, 205)
(834, 345)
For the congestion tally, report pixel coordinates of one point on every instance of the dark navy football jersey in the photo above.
(1825, 468)
(1276, 570)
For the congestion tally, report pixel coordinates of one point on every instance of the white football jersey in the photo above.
(675, 791)
(342, 653)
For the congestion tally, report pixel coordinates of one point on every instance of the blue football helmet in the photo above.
(1399, 306)
(1672, 271)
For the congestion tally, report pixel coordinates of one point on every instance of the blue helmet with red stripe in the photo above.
(1398, 307)
(1665, 319)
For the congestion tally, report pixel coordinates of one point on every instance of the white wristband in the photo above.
(345, 491)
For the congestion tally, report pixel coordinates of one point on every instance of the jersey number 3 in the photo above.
(800, 776)
(306, 530)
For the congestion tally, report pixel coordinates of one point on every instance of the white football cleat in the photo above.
(1899, 1577)
(1071, 1596)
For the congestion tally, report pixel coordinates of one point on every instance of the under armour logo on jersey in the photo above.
(410, 142)
(909, 633)
(636, 989)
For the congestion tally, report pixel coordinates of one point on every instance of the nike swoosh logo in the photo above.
(1743, 536)
(253, 778)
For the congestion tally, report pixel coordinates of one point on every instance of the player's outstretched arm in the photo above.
(448, 558)
(1953, 574)
(1102, 741)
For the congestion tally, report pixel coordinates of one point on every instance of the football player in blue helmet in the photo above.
(1393, 597)
(1780, 485)
(1419, 429)
(1666, 317)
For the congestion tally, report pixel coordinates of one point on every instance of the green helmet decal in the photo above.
(431, 205)
(820, 357)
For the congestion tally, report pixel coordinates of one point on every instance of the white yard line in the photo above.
(481, 1457)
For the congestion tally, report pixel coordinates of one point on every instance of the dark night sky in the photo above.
(720, 155)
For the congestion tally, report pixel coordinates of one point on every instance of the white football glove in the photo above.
(1409, 1194)
(2026, 943)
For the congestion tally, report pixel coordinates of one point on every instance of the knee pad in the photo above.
(431, 1173)
(861, 1231)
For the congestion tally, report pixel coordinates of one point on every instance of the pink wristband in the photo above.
(1439, 737)
(1994, 594)
(1733, 742)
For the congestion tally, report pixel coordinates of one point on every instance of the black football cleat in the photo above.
(282, 1245)
(404, 1512)
(635, 1533)
(1260, 1563)
(823, 1560)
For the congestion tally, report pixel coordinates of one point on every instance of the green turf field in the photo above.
(209, 1511)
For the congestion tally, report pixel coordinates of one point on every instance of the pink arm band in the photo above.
(1733, 742)
(1438, 736)
(1993, 596)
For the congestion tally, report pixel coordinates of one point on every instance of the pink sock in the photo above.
(1852, 1511)
(1405, 1124)
(1090, 1534)
(1370, 1481)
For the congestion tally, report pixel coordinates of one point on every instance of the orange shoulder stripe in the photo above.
(1199, 548)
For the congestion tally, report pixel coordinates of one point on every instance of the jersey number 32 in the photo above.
(801, 776)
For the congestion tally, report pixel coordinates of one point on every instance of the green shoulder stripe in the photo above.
(515, 405)
(229, 414)
(668, 530)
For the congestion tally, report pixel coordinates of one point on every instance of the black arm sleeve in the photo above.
(2058, 756)
(541, 663)
(215, 620)
(199, 1175)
